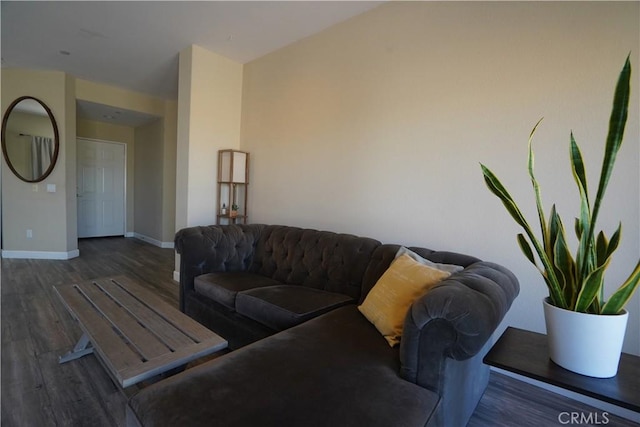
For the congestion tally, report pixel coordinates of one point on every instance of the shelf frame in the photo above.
(232, 185)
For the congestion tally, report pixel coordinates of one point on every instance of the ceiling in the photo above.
(135, 44)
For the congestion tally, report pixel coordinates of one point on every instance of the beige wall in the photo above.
(209, 102)
(110, 95)
(149, 180)
(69, 132)
(157, 176)
(169, 175)
(91, 129)
(53, 216)
(377, 126)
(209, 109)
(26, 205)
(151, 171)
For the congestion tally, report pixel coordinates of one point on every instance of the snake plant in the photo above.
(576, 283)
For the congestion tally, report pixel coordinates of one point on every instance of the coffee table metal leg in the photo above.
(82, 348)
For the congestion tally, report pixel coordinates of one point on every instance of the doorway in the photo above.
(101, 188)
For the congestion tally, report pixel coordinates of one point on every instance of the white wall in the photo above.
(377, 126)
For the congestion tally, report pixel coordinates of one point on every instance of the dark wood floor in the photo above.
(36, 329)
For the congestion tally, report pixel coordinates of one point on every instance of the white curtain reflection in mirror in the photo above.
(41, 154)
(29, 140)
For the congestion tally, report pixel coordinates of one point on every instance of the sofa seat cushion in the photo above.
(334, 370)
(283, 306)
(223, 287)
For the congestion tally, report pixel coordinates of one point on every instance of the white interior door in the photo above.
(101, 180)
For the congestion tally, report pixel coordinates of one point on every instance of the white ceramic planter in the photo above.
(587, 344)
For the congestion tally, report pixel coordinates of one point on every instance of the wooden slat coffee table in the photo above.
(135, 333)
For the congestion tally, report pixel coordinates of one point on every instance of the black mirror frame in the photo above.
(56, 150)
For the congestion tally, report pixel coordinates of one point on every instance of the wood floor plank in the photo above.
(43, 323)
(22, 279)
(103, 388)
(509, 402)
(25, 400)
(20, 365)
(13, 319)
(71, 397)
(26, 407)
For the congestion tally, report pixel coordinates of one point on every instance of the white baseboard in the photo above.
(40, 254)
(176, 276)
(129, 234)
(151, 240)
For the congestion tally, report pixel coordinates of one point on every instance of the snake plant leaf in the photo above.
(624, 293)
(605, 248)
(585, 257)
(587, 251)
(536, 189)
(554, 228)
(526, 249)
(577, 225)
(615, 240)
(577, 168)
(564, 263)
(591, 288)
(611, 248)
(601, 251)
(617, 123)
(496, 187)
(602, 248)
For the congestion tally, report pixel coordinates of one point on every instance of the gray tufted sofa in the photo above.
(286, 300)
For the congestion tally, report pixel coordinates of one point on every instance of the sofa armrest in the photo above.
(454, 320)
(447, 332)
(214, 248)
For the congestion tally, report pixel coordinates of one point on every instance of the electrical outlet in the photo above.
(29, 234)
(34, 187)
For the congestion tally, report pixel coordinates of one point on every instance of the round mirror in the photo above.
(30, 139)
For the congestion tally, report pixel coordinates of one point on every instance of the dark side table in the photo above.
(526, 353)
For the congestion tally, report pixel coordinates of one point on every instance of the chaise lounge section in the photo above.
(287, 299)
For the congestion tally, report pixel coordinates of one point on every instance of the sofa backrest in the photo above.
(385, 254)
(317, 259)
